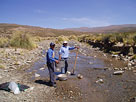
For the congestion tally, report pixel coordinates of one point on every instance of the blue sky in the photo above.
(68, 13)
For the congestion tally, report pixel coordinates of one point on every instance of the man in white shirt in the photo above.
(64, 53)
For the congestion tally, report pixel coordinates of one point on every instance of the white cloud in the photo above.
(40, 11)
(87, 21)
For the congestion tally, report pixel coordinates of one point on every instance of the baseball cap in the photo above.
(65, 42)
(52, 44)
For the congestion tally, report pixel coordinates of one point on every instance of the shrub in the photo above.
(134, 39)
(4, 42)
(36, 39)
(106, 39)
(119, 38)
(133, 57)
(62, 38)
(22, 40)
(72, 37)
(2, 66)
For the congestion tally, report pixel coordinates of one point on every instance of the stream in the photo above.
(112, 88)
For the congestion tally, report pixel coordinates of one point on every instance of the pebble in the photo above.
(37, 75)
(79, 76)
(41, 68)
(90, 63)
(100, 81)
(134, 71)
(68, 73)
(28, 61)
(118, 72)
(115, 68)
(31, 88)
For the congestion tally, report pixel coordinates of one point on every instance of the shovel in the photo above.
(73, 73)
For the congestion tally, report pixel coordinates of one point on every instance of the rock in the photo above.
(115, 68)
(125, 68)
(17, 63)
(125, 59)
(129, 64)
(100, 81)
(68, 73)
(129, 68)
(118, 72)
(133, 99)
(37, 75)
(31, 88)
(28, 61)
(41, 68)
(114, 56)
(5, 70)
(90, 63)
(134, 71)
(131, 51)
(104, 55)
(79, 76)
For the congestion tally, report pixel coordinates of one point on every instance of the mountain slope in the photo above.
(107, 29)
(8, 29)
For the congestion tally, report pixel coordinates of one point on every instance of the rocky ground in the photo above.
(95, 85)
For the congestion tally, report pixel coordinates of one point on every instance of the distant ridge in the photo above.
(7, 30)
(107, 29)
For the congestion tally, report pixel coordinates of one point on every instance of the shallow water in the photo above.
(115, 88)
(82, 62)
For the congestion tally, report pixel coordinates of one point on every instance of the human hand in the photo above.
(77, 47)
(57, 61)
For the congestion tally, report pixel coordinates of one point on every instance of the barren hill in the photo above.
(8, 29)
(107, 29)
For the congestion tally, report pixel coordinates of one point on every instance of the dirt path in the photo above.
(91, 63)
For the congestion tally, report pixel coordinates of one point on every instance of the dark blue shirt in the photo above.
(50, 56)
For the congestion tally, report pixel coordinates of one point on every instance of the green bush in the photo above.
(22, 40)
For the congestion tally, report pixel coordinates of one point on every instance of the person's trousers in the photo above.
(51, 71)
(66, 65)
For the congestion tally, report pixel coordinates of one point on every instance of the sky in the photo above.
(61, 14)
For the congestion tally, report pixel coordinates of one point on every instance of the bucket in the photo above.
(62, 77)
(62, 70)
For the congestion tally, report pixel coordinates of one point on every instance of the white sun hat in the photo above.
(65, 42)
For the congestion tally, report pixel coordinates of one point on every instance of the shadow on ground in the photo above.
(43, 82)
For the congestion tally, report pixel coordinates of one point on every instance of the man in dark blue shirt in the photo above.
(51, 60)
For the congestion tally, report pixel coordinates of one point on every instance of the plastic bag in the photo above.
(14, 87)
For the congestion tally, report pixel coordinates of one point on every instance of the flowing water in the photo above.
(112, 89)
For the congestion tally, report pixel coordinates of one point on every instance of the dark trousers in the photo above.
(66, 65)
(51, 71)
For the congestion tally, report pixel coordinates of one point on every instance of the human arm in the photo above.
(72, 48)
(60, 53)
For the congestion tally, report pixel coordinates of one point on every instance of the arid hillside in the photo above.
(107, 29)
(8, 29)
